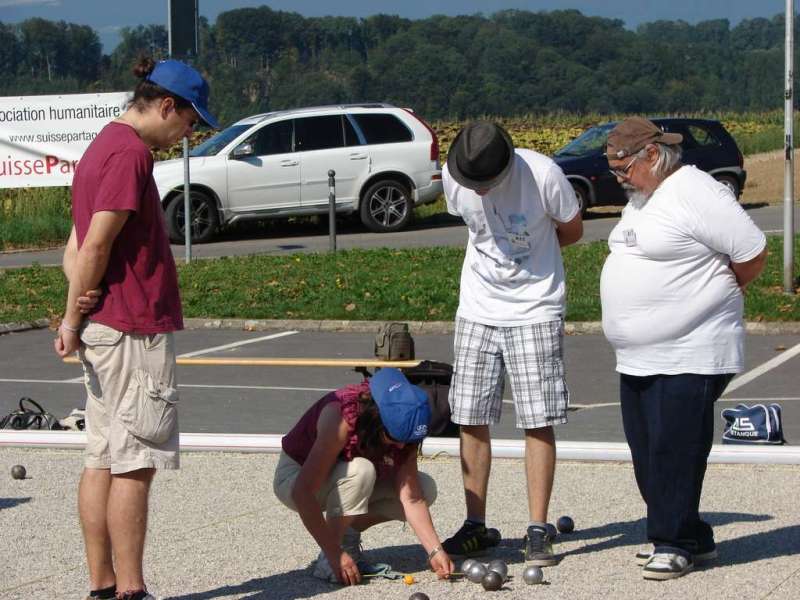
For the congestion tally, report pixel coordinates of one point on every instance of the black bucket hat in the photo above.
(481, 155)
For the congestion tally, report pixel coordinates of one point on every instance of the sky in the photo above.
(107, 17)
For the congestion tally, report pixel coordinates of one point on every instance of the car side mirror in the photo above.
(243, 150)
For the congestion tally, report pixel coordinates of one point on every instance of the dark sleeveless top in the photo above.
(298, 442)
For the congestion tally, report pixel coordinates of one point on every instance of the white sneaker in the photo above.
(667, 565)
(703, 557)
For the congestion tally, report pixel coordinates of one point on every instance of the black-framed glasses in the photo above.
(623, 173)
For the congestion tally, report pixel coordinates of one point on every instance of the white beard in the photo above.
(635, 197)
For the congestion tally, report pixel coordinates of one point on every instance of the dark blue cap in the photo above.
(403, 407)
(184, 81)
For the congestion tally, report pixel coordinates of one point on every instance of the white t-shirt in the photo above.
(670, 300)
(513, 274)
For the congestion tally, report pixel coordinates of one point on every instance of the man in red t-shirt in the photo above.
(119, 245)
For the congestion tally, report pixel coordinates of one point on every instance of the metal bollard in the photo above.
(332, 209)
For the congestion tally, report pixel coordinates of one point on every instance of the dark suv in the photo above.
(705, 144)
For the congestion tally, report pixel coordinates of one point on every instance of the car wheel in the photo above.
(386, 206)
(582, 195)
(730, 182)
(204, 218)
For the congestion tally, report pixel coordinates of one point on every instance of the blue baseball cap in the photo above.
(403, 407)
(184, 81)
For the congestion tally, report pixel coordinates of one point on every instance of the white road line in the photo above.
(188, 385)
(309, 389)
(764, 368)
(237, 344)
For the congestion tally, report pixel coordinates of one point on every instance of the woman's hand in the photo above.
(442, 565)
(345, 569)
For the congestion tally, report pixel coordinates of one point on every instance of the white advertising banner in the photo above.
(42, 138)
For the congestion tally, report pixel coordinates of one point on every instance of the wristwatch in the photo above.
(433, 552)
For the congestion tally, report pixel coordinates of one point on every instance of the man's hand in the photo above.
(442, 565)
(89, 300)
(67, 342)
(345, 569)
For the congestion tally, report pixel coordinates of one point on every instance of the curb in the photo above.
(415, 327)
(24, 326)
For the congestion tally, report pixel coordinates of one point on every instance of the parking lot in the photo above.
(234, 399)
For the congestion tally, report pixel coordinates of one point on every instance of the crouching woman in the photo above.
(353, 455)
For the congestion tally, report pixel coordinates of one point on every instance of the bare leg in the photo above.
(540, 467)
(92, 503)
(364, 522)
(127, 524)
(476, 465)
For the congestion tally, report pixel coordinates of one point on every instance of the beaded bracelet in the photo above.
(69, 328)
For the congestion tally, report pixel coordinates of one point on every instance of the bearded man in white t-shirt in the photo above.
(672, 295)
(519, 209)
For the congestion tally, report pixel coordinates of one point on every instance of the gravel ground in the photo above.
(217, 531)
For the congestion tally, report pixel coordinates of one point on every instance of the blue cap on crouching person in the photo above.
(403, 407)
(184, 81)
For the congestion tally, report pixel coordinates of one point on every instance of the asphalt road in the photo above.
(269, 400)
(439, 230)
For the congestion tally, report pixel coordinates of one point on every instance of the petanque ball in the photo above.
(476, 572)
(492, 581)
(467, 564)
(565, 524)
(532, 575)
(418, 596)
(499, 567)
(18, 472)
(493, 535)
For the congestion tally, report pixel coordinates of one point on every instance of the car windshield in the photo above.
(216, 143)
(591, 141)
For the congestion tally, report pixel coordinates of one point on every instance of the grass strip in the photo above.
(419, 284)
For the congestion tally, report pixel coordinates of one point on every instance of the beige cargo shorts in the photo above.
(132, 400)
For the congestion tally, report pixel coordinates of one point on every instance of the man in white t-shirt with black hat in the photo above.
(519, 209)
(672, 296)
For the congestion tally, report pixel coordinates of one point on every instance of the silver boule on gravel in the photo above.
(500, 567)
(565, 524)
(18, 472)
(532, 575)
(476, 572)
(492, 581)
(418, 596)
(467, 564)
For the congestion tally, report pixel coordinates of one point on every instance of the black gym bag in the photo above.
(29, 415)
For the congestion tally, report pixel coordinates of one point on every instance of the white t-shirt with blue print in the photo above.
(513, 273)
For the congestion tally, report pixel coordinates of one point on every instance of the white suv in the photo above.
(276, 164)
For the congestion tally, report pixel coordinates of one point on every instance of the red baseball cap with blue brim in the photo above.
(403, 407)
(184, 81)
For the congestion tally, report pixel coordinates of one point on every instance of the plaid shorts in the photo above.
(533, 357)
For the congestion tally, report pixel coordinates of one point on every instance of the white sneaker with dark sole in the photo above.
(644, 555)
(667, 565)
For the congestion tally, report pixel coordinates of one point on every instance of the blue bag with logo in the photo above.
(757, 424)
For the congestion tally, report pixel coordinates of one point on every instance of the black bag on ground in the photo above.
(394, 342)
(434, 377)
(29, 415)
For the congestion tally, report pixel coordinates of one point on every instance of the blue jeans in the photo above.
(669, 425)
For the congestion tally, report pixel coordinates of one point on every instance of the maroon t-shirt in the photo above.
(140, 286)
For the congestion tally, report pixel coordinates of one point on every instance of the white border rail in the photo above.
(503, 448)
